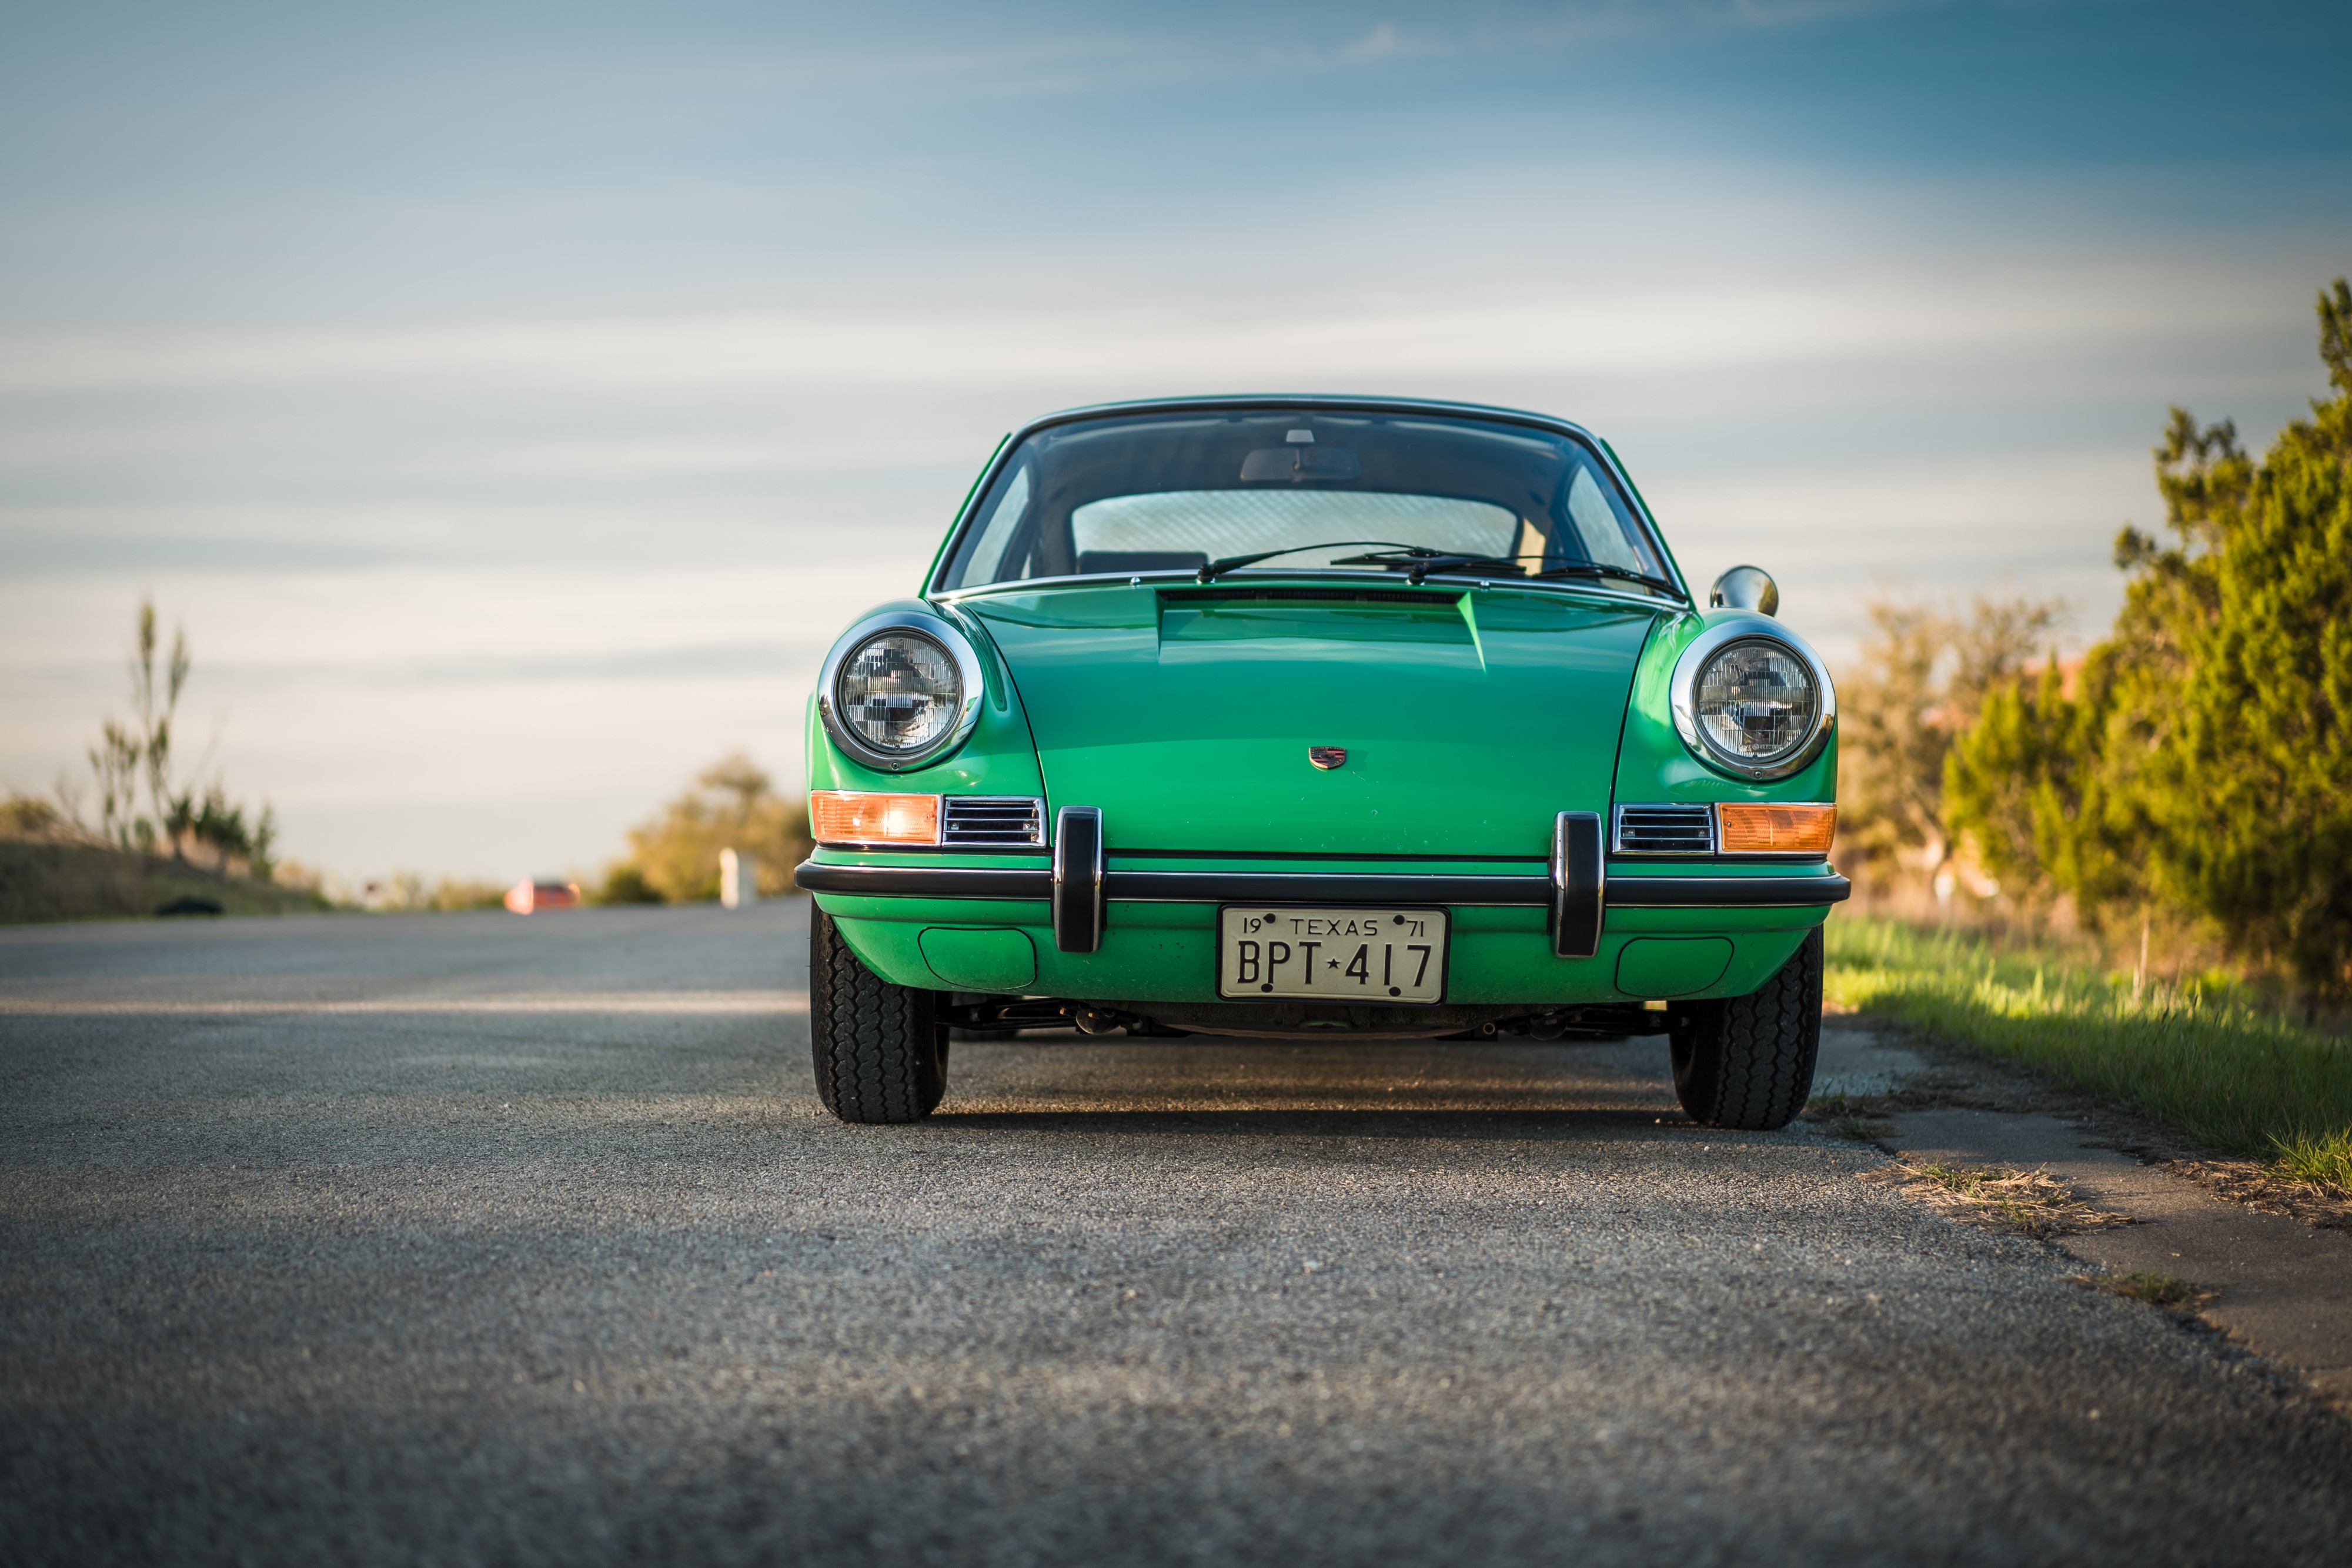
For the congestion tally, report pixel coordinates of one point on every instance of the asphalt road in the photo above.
(465, 1238)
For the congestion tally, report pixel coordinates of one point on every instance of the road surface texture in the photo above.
(471, 1238)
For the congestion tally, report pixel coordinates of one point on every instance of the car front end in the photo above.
(1470, 761)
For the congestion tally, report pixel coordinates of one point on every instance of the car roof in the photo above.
(1355, 401)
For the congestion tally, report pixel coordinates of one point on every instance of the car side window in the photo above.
(995, 536)
(1607, 538)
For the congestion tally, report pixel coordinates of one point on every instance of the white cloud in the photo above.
(1688, 324)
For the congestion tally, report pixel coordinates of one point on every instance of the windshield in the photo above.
(1336, 490)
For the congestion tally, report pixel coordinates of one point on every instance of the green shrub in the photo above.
(626, 884)
(2199, 1057)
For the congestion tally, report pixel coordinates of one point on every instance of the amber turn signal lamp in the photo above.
(861, 816)
(1774, 830)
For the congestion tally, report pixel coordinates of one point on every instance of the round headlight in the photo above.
(1755, 703)
(1751, 699)
(899, 694)
(901, 689)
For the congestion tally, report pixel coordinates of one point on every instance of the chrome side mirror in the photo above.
(1745, 588)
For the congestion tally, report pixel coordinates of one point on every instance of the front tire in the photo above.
(880, 1051)
(1748, 1061)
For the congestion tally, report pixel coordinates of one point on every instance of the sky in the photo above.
(513, 403)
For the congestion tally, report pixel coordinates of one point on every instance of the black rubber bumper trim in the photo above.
(924, 882)
(1726, 891)
(1321, 887)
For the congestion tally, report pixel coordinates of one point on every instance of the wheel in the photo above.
(1748, 1061)
(880, 1051)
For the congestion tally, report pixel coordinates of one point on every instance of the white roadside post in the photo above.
(739, 880)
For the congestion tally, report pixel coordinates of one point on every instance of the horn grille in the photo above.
(992, 821)
(1665, 830)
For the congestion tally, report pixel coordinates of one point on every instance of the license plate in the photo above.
(1336, 955)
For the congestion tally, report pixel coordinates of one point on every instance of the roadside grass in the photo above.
(2169, 1291)
(2322, 1161)
(1849, 1117)
(2193, 1057)
(2020, 1203)
(40, 881)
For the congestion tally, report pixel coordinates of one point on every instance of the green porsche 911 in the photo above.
(1312, 718)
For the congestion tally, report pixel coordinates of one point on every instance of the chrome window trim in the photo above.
(1617, 829)
(1277, 402)
(1746, 626)
(922, 623)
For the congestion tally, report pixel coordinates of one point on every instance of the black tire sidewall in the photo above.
(1747, 1063)
(875, 1048)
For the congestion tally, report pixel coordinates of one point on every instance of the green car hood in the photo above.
(1470, 718)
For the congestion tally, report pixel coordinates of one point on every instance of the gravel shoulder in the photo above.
(469, 1238)
(2268, 1281)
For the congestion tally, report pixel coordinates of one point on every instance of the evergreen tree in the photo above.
(2205, 759)
(2255, 803)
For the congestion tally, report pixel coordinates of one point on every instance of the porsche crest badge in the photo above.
(1326, 757)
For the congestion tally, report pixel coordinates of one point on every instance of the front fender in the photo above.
(998, 758)
(1652, 763)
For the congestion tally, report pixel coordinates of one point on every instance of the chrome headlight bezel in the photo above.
(932, 629)
(1693, 664)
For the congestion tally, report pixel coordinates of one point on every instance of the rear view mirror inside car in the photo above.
(1294, 465)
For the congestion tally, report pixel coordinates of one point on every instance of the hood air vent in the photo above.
(1664, 830)
(992, 821)
(1427, 601)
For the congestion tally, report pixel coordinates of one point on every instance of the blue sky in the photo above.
(513, 403)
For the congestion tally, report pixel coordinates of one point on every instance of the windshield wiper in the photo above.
(1593, 569)
(1215, 569)
(1420, 560)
